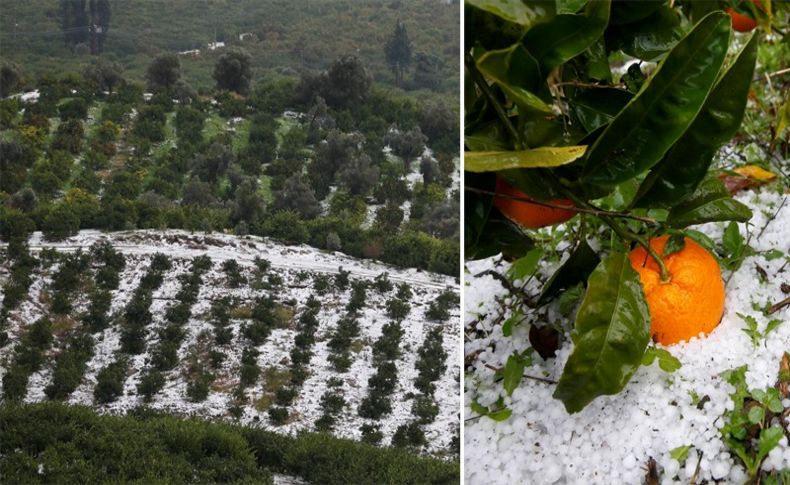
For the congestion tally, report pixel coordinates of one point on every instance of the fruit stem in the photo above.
(481, 83)
(625, 234)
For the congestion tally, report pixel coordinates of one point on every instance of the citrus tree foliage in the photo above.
(547, 113)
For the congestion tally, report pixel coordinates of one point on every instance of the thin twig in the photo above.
(778, 306)
(535, 378)
(770, 219)
(508, 286)
(582, 85)
(581, 210)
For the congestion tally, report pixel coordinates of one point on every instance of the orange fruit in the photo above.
(741, 22)
(528, 214)
(691, 302)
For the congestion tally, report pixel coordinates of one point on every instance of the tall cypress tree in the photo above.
(398, 51)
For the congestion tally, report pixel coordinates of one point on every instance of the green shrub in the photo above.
(109, 382)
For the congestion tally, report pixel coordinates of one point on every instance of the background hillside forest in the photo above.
(340, 131)
(283, 37)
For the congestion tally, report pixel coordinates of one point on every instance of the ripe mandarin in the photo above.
(692, 301)
(527, 214)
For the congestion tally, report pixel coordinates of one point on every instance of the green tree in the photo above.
(233, 71)
(61, 222)
(297, 196)
(10, 78)
(163, 71)
(398, 52)
(358, 175)
(346, 83)
(103, 74)
(427, 74)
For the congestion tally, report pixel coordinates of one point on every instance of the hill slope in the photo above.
(287, 35)
(291, 276)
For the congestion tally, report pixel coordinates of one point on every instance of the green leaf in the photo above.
(575, 270)
(512, 11)
(479, 408)
(686, 164)
(507, 327)
(498, 235)
(536, 157)
(634, 78)
(500, 414)
(518, 75)
(756, 414)
(612, 332)
(514, 371)
(680, 453)
(597, 107)
(666, 361)
(569, 298)
(710, 202)
(566, 36)
(772, 254)
(701, 238)
(751, 330)
(662, 111)
(783, 119)
(675, 243)
(525, 266)
(772, 325)
(570, 6)
(649, 38)
(732, 241)
(769, 439)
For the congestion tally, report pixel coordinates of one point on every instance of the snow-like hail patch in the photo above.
(295, 265)
(612, 439)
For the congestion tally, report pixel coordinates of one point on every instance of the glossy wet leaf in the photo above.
(649, 38)
(518, 75)
(685, 165)
(567, 35)
(611, 333)
(662, 111)
(516, 12)
(535, 157)
(675, 243)
(710, 202)
(597, 107)
(575, 270)
(634, 78)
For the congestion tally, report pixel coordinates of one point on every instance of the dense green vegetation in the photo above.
(286, 36)
(55, 443)
(82, 157)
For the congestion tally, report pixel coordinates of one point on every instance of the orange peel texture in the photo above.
(691, 302)
(527, 214)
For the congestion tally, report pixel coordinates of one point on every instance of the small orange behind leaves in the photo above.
(528, 214)
(693, 300)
